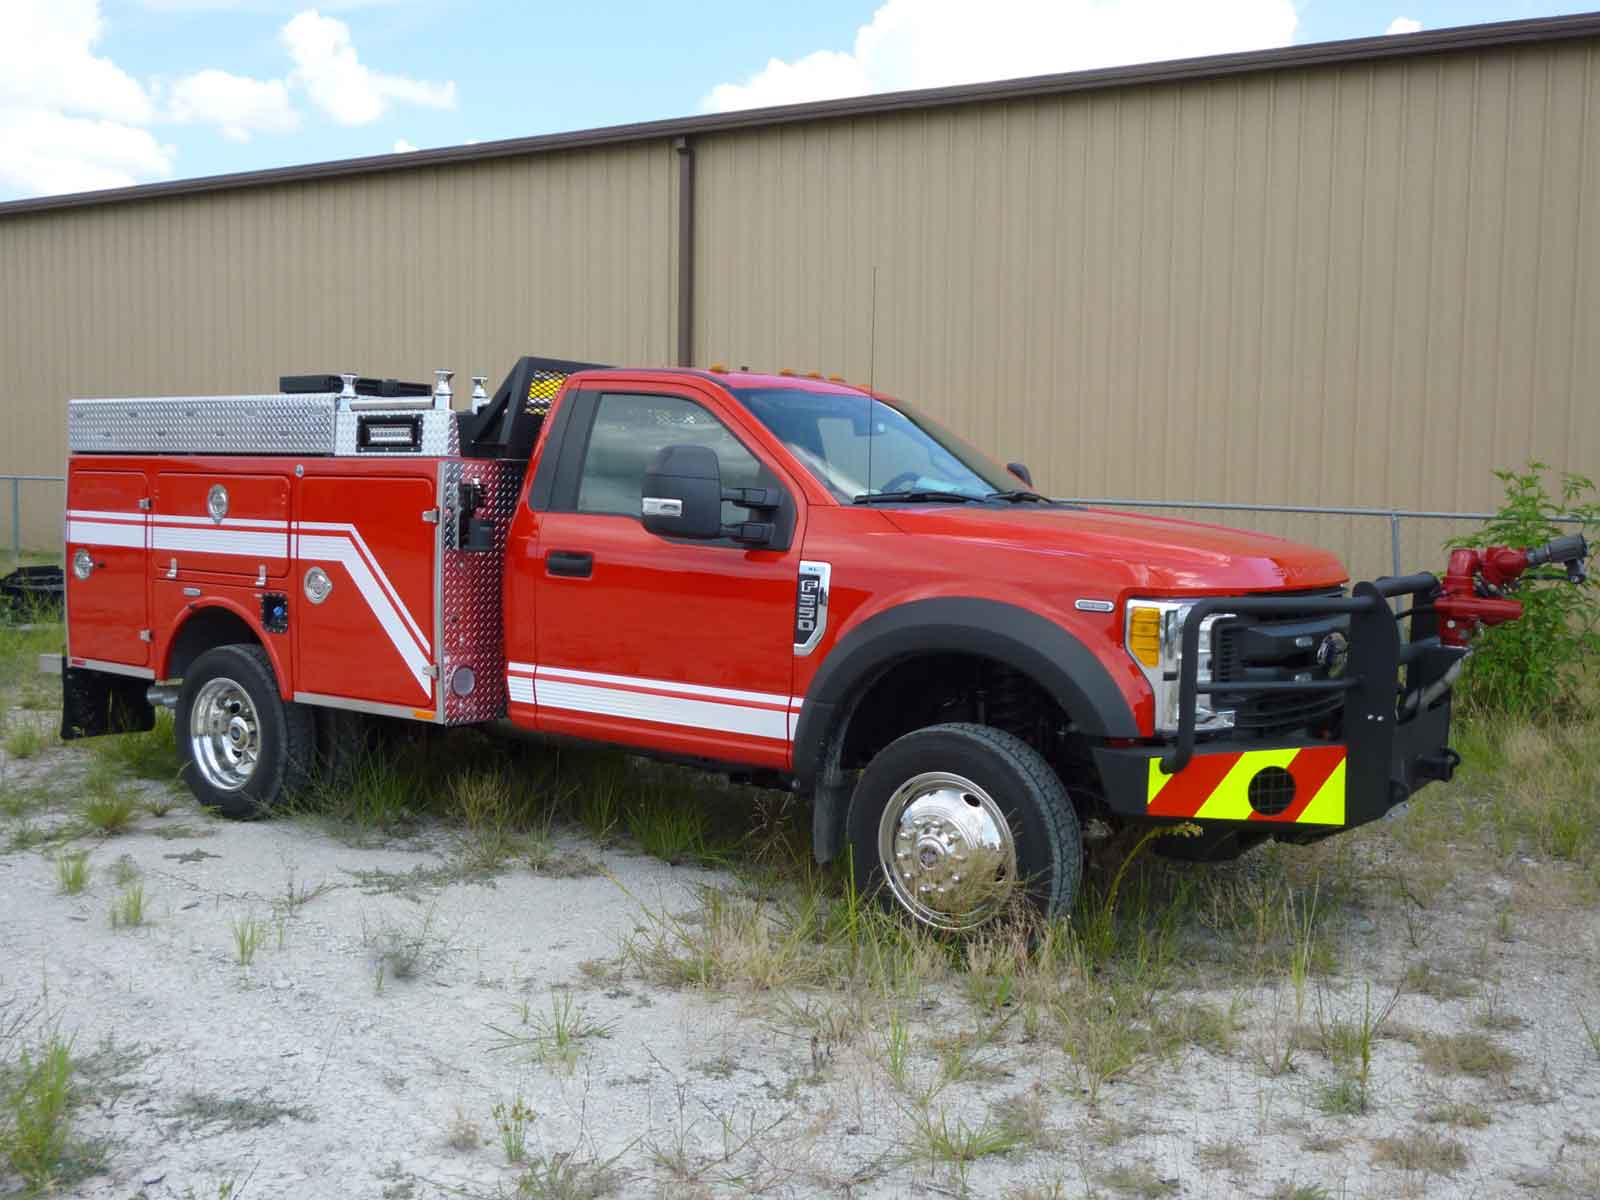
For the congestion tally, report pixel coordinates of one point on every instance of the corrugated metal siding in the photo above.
(1366, 285)
(466, 267)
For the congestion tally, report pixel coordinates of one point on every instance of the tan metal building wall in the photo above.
(1366, 283)
(464, 266)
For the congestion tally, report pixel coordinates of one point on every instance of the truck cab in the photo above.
(788, 579)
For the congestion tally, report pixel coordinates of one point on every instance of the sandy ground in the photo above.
(312, 1073)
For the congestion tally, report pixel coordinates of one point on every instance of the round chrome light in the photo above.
(217, 502)
(83, 564)
(463, 680)
(318, 585)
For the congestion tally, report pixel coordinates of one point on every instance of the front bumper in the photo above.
(1390, 738)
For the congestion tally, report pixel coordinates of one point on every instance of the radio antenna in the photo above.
(872, 371)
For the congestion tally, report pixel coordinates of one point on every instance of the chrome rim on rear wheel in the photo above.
(224, 734)
(947, 851)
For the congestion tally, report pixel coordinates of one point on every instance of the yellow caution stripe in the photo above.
(1303, 786)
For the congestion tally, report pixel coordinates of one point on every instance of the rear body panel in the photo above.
(109, 610)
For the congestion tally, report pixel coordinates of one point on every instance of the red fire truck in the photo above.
(785, 578)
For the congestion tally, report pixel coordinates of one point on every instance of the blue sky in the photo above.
(98, 93)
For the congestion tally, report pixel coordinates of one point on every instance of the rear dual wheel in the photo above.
(954, 824)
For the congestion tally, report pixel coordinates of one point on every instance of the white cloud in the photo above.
(47, 62)
(326, 65)
(401, 146)
(927, 43)
(69, 118)
(236, 104)
(44, 152)
(72, 120)
(1404, 25)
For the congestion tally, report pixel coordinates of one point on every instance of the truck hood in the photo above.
(1128, 549)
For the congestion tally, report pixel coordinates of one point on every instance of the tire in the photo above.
(961, 780)
(243, 750)
(345, 740)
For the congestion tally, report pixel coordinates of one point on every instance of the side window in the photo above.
(629, 431)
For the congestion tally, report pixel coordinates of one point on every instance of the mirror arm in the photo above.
(751, 533)
(762, 498)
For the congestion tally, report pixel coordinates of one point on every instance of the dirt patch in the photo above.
(404, 1026)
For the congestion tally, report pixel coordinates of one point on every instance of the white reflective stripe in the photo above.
(101, 533)
(520, 690)
(234, 537)
(665, 710)
(374, 564)
(521, 668)
(341, 551)
(691, 689)
(225, 523)
(89, 514)
(242, 543)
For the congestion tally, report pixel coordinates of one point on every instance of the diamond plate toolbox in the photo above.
(472, 643)
(203, 425)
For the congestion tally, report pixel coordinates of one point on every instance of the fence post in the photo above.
(16, 522)
(1394, 541)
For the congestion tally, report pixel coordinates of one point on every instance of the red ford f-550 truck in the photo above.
(795, 581)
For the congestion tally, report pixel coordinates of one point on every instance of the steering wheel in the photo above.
(900, 482)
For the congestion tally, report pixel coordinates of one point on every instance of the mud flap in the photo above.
(94, 703)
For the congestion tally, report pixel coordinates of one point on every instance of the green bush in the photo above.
(1539, 668)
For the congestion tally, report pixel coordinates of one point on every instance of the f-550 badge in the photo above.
(811, 606)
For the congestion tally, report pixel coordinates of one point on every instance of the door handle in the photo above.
(575, 564)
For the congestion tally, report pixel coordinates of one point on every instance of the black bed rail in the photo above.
(1376, 655)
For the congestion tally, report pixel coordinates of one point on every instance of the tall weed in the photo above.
(1536, 667)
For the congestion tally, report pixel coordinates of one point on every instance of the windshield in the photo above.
(854, 455)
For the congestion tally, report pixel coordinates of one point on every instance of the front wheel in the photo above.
(952, 823)
(242, 749)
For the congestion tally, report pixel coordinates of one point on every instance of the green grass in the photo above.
(27, 738)
(72, 872)
(149, 755)
(671, 832)
(1523, 789)
(107, 807)
(1425, 1152)
(127, 910)
(512, 1120)
(556, 1038)
(37, 1095)
(1473, 1054)
(941, 1141)
(248, 934)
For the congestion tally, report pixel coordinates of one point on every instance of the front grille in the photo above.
(1282, 649)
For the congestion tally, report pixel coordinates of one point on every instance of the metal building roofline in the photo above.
(1216, 66)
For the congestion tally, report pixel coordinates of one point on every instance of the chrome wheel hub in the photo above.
(224, 734)
(947, 851)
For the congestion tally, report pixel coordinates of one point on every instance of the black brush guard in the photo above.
(1395, 718)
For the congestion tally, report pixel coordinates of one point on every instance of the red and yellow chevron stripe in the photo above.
(1217, 786)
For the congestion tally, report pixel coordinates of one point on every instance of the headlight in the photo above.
(1154, 634)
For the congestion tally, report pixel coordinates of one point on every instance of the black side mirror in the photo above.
(682, 493)
(682, 497)
(1020, 470)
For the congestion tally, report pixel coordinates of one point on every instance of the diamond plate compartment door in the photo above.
(471, 615)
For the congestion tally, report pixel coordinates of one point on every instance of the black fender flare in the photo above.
(1019, 637)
